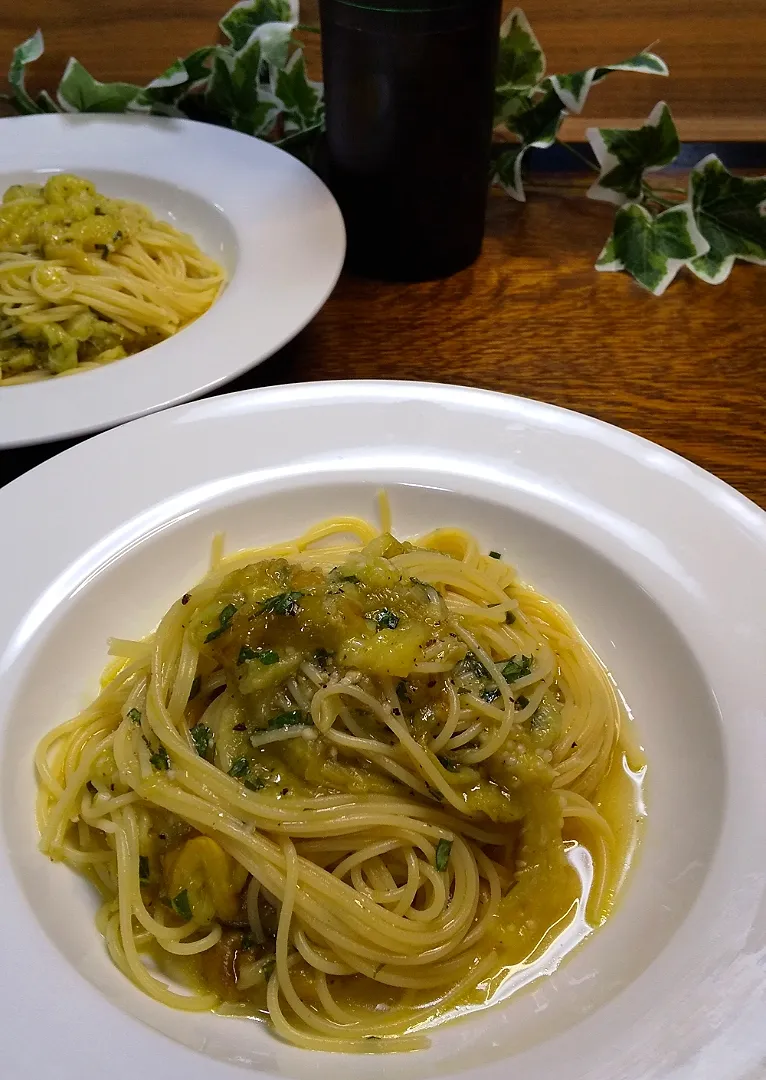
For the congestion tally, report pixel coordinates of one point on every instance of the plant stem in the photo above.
(653, 195)
(577, 154)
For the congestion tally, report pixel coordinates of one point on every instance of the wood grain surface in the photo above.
(715, 50)
(532, 317)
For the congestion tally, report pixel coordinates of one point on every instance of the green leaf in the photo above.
(224, 619)
(234, 94)
(240, 21)
(518, 667)
(443, 849)
(730, 212)
(652, 249)
(520, 60)
(626, 154)
(180, 904)
(573, 89)
(78, 91)
(539, 124)
(301, 99)
(26, 53)
(285, 603)
(160, 759)
(296, 718)
(202, 737)
(163, 94)
(507, 172)
(386, 620)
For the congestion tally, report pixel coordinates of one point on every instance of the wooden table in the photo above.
(532, 317)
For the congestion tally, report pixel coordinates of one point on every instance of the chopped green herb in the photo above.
(448, 763)
(517, 668)
(239, 767)
(202, 737)
(386, 620)
(443, 849)
(288, 719)
(321, 656)
(134, 715)
(224, 619)
(490, 695)
(285, 603)
(495, 555)
(521, 702)
(254, 783)
(266, 656)
(180, 904)
(473, 666)
(160, 759)
(268, 967)
(197, 682)
(247, 942)
(510, 618)
(143, 867)
(401, 691)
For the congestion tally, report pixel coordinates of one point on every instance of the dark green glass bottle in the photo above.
(409, 87)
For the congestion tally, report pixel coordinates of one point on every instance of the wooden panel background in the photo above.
(716, 50)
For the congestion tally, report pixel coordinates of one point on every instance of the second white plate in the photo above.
(267, 218)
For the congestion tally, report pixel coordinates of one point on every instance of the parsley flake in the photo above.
(224, 619)
(386, 620)
(296, 718)
(285, 603)
(180, 904)
(202, 737)
(134, 715)
(160, 759)
(443, 849)
(239, 767)
(518, 667)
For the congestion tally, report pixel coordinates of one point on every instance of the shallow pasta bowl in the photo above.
(661, 565)
(264, 216)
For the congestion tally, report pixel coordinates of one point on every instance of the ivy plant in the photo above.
(256, 82)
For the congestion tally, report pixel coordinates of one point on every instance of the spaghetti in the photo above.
(86, 280)
(340, 786)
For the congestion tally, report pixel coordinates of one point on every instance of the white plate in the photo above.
(268, 219)
(662, 566)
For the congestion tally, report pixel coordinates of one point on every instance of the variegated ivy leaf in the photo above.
(26, 53)
(731, 214)
(300, 98)
(520, 65)
(520, 61)
(507, 172)
(536, 123)
(626, 154)
(240, 21)
(573, 89)
(78, 91)
(652, 249)
(162, 95)
(234, 96)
